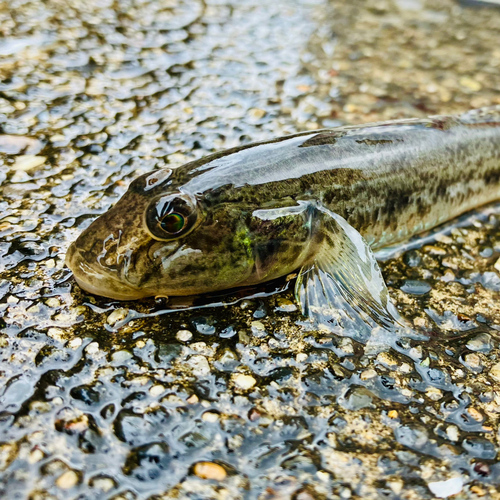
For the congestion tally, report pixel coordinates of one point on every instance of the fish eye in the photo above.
(169, 217)
(173, 223)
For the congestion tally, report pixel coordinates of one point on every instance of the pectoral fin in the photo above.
(343, 287)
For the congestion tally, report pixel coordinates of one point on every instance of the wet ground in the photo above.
(102, 400)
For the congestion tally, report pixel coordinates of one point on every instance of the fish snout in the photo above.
(98, 280)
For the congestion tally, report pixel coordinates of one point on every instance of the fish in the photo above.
(318, 203)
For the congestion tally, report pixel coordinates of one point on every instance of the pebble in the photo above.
(75, 343)
(67, 480)
(497, 265)
(210, 416)
(258, 325)
(434, 250)
(199, 365)
(495, 372)
(156, 390)
(184, 335)
(480, 343)
(301, 357)
(117, 315)
(470, 83)
(35, 456)
(53, 302)
(452, 433)
(92, 348)
(55, 333)
(445, 489)
(210, 470)
(257, 113)
(27, 162)
(473, 362)
(434, 394)
(387, 360)
(244, 382)
(15, 144)
(103, 483)
(121, 356)
(368, 374)
(286, 305)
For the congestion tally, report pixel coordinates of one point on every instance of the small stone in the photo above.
(92, 348)
(257, 113)
(55, 333)
(35, 456)
(482, 469)
(497, 265)
(301, 357)
(475, 414)
(452, 433)
(117, 315)
(368, 374)
(495, 372)
(67, 480)
(396, 485)
(445, 489)
(53, 302)
(121, 356)
(393, 414)
(199, 365)
(258, 325)
(27, 162)
(473, 362)
(244, 382)
(286, 305)
(210, 470)
(470, 84)
(477, 490)
(57, 138)
(15, 144)
(193, 399)
(480, 343)
(387, 360)
(104, 484)
(434, 250)
(210, 416)
(434, 394)
(184, 335)
(156, 390)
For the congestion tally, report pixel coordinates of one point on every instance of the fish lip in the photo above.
(86, 277)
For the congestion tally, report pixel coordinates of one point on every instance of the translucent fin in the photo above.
(343, 288)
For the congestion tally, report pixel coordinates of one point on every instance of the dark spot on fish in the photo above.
(375, 142)
(322, 139)
(444, 123)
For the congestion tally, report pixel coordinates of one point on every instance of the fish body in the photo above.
(317, 201)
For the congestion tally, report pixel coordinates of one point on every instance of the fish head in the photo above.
(161, 240)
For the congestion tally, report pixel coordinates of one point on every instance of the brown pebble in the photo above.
(482, 469)
(210, 470)
(478, 490)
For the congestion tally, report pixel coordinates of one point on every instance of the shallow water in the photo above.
(105, 400)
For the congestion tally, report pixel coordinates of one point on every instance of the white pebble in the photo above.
(445, 489)
(184, 335)
(92, 348)
(28, 162)
(244, 382)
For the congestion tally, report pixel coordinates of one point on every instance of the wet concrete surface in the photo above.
(101, 399)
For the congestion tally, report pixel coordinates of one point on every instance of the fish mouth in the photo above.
(98, 282)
